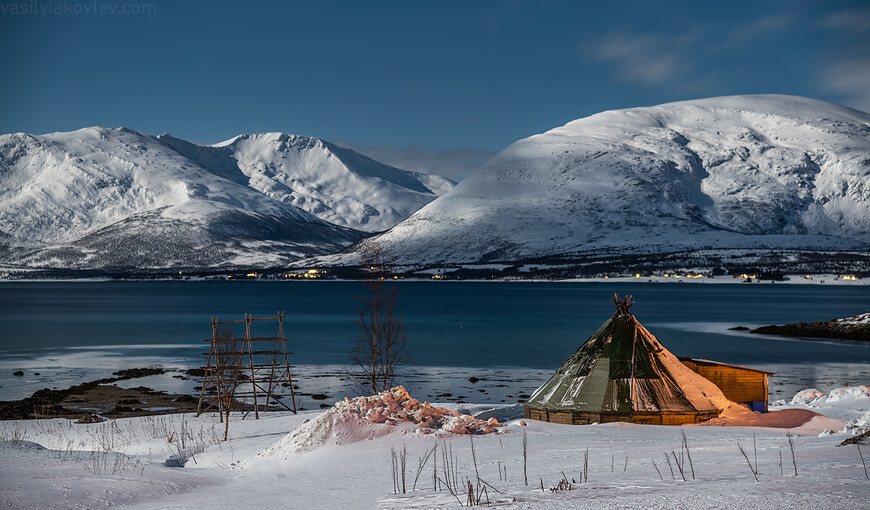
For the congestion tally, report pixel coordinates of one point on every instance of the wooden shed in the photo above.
(740, 384)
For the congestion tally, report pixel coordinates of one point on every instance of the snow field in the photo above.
(50, 464)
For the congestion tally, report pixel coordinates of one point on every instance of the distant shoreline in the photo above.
(789, 279)
(792, 279)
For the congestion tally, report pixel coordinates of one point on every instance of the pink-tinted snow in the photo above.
(800, 421)
(396, 405)
(357, 419)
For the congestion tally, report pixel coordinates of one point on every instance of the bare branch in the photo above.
(381, 347)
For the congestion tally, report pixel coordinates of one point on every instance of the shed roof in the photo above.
(710, 363)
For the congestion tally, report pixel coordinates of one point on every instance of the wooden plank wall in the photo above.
(737, 384)
(585, 418)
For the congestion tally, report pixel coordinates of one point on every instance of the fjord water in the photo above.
(70, 332)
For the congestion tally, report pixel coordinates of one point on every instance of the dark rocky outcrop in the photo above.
(838, 329)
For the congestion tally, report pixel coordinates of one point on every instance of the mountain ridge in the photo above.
(757, 172)
(114, 198)
(336, 184)
(763, 176)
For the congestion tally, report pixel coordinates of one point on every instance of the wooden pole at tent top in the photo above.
(622, 308)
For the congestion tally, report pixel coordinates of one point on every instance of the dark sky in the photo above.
(430, 76)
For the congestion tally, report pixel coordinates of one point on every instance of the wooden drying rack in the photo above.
(264, 372)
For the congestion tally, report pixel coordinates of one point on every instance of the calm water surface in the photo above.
(72, 329)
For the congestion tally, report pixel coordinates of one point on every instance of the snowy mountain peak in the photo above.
(730, 172)
(115, 198)
(335, 184)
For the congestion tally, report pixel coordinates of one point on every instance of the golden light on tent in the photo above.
(622, 373)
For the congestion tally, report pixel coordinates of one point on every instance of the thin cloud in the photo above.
(854, 22)
(749, 32)
(641, 58)
(851, 80)
(672, 59)
(454, 163)
(848, 75)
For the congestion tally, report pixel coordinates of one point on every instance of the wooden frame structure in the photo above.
(261, 368)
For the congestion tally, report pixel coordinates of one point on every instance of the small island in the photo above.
(850, 328)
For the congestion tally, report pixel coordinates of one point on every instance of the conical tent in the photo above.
(623, 373)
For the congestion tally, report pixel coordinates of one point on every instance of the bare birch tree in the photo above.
(381, 347)
(228, 367)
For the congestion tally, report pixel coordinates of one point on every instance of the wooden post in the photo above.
(631, 382)
(205, 375)
(248, 319)
(286, 359)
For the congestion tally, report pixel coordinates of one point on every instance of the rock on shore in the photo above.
(850, 328)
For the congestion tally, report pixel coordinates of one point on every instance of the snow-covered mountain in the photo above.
(114, 198)
(335, 184)
(764, 171)
(760, 173)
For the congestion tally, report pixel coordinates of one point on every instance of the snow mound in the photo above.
(326, 428)
(805, 397)
(850, 404)
(858, 425)
(798, 421)
(849, 393)
(856, 398)
(21, 444)
(396, 405)
(357, 419)
(842, 396)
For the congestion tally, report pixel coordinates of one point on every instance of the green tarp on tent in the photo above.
(623, 369)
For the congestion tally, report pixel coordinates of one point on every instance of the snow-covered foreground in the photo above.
(61, 464)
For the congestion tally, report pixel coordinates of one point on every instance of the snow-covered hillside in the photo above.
(335, 184)
(733, 172)
(114, 198)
